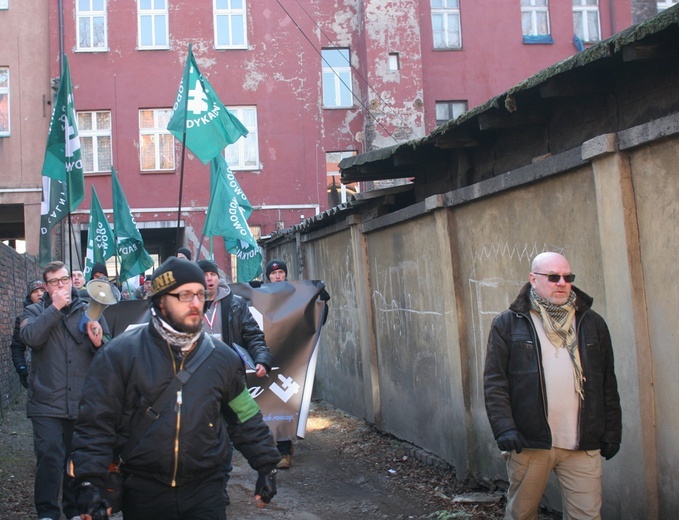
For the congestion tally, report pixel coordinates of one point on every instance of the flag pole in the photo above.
(181, 168)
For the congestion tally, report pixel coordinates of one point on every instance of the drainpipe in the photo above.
(61, 30)
(611, 10)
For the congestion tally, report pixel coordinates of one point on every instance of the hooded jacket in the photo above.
(189, 439)
(60, 354)
(514, 386)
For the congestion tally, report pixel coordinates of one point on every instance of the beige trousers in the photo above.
(578, 473)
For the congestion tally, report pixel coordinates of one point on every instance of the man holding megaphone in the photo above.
(61, 356)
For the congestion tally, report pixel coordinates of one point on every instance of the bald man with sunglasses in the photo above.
(551, 392)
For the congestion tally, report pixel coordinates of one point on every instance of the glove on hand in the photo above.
(510, 440)
(23, 376)
(609, 450)
(266, 486)
(90, 501)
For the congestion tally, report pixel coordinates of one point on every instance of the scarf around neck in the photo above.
(559, 323)
(183, 340)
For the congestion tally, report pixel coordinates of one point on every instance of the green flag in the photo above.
(208, 125)
(227, 216)
(134, 259)
(248, 259)
(99, 237)
(62, 154)
(52, 210)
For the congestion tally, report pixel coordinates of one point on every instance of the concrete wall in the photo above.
(414, 292)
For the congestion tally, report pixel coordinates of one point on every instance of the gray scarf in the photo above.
(183, 340)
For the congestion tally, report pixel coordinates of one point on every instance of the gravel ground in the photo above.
(344, 468)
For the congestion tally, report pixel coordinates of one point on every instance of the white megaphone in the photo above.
(102, 294)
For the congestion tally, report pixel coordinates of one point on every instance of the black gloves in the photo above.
(266, 486)
(608, 450)
(23, 376)
(510, 440)
(90, 501)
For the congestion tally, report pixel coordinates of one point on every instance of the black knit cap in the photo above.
(274, 265)
(173, 273)
(208, 266)
(99, 267)
(35, 285)
(185, 252)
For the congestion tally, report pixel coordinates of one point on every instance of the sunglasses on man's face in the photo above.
(554, 278)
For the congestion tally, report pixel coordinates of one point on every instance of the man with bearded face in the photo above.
(551, 393)
(173, 470)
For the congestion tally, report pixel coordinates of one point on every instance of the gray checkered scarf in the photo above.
(559, 323)
(183, 340)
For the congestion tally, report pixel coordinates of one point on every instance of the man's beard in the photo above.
(181, 327)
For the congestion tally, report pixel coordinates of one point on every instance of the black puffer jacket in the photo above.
(129, 374)
(514, 386)
(61, 356)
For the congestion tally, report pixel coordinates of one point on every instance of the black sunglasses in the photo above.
(554, 278)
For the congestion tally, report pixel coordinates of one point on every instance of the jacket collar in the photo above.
(583, 302)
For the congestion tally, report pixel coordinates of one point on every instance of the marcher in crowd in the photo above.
(99, 271)
(228, 317)
(60, 357)
(78, 279)
(18, 348)
(174, 470)
(277, 271)
(143, 292)
(184, 252)
(551, 392)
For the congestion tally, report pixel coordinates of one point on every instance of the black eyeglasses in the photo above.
(187, 296)
(554, 278)
(55, 281)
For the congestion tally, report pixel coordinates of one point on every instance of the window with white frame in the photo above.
(4, 4)
(91, 25)
(4, 101)
(337, 88)
(338, 193)
(535, 21)
(152, 23)
(447, 110)
(156, 143)
(244, 153)
(94, 129)
(230, 23)
(445, 22)
(586, 20)
(666, 4)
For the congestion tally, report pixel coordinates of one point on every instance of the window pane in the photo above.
(104, 120)
(237, 38)
(104, 153)
(87, 154)
(593, 26)
(4, 78)
(146, 119)
(84, 26)
(99, 33)
(145, 4)
(146, 36)
(97, 5)
(161, 38)
(84, 5)
(236, 4)
(166, 151)
(223, 36)
(147, 152)
(84, 121)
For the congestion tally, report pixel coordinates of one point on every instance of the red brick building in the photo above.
(313, 81)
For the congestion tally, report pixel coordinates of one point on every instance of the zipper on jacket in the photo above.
(178, 410)
(536, 345)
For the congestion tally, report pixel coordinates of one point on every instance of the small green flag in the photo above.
(225, 217)
(62, 154)
(199, 113)
(100, 244)
(134, 259)
(52, 210)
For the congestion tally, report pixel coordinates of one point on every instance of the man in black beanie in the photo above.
(184, 252)
(177, 459)
(99, 271)
(228, 317)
